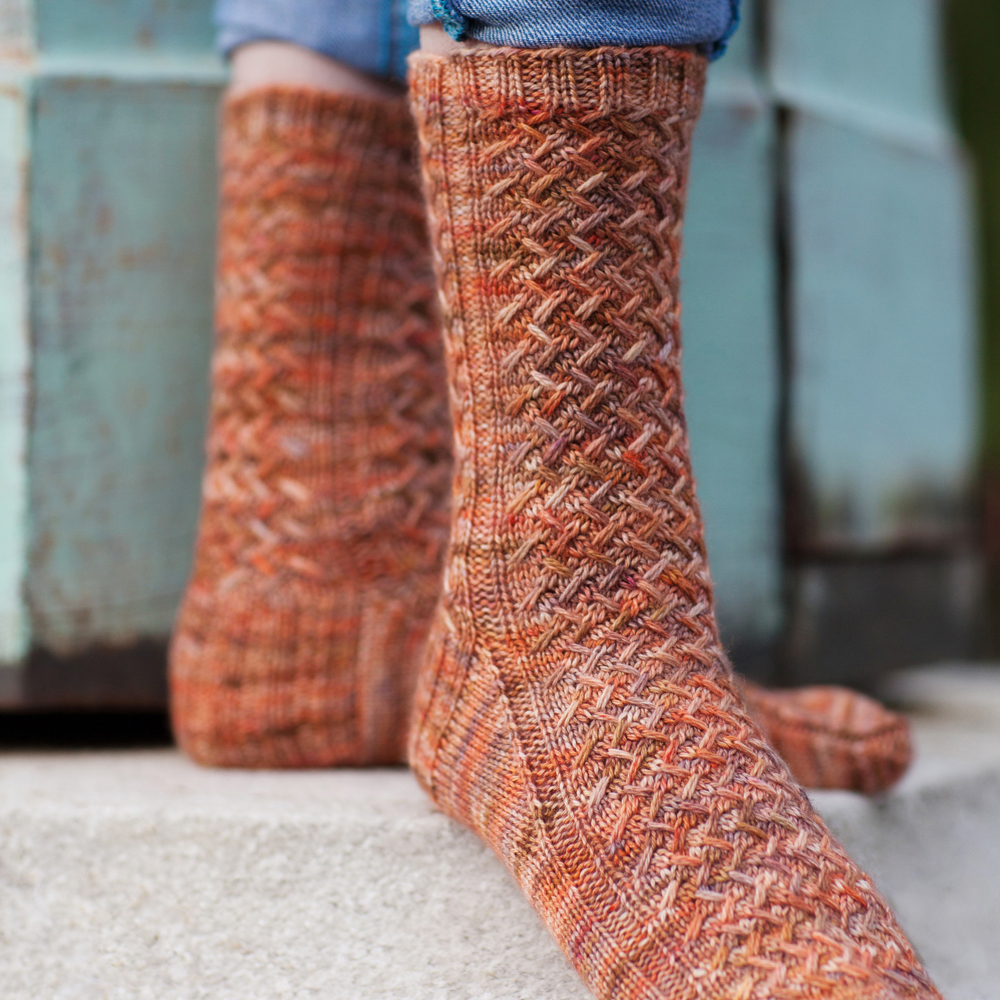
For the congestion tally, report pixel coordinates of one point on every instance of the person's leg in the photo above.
(325, 494)
(265, 64)
(575, 707)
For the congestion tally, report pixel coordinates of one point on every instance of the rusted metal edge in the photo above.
(105, 678)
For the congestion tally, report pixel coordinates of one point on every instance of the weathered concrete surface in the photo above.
(137, 875)
(932, 843)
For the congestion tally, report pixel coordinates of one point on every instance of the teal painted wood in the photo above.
(108, 555)
(883, 394)
(118, 150)
(883, 398)
(113, 507)
(730, 348)
(118, 26)
(122, 229)
(14, 365)
(873, 64)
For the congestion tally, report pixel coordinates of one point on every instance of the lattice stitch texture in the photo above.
(326, 488)
(576, 708)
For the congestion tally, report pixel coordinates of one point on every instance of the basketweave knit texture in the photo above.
(831, 737)
(325, 498)
(575, 707)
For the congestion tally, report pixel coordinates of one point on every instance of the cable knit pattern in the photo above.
(325, 495)
(575, 708)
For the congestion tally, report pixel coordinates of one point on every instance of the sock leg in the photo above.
(575, 708)
(325, 493)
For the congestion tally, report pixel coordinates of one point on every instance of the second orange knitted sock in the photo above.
(325, 495)
(832, 737)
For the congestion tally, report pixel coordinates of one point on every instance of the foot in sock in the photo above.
(832, 737)
(325, 495)
(575, 708)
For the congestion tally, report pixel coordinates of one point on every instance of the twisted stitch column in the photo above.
(575, 708)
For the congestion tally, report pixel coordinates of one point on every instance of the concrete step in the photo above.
(137, 876)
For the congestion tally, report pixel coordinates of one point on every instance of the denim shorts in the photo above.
(376, 36)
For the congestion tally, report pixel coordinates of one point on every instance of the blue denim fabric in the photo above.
(373, 36)
(533, 24)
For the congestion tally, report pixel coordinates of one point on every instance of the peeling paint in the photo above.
(14, 373)
(123, 229)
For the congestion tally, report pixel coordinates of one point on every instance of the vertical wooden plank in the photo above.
(883, 395)
(883, 398)
(122, 226)
(882, 414)
(731, 351)
(14, 371)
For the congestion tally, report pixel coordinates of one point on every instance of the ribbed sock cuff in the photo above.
(578, 81)
(318, 120)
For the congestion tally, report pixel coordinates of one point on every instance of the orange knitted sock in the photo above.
(325, 495)
(576, 708)
(832, 737)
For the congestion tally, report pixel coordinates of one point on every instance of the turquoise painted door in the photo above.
(828, 344)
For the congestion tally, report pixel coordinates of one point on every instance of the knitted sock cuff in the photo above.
(598, 82)
(343, 159)
(318, 121)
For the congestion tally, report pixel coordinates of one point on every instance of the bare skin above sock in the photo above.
(575, 708)
(325, 495)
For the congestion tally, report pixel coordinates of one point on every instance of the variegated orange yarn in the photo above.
(325, 494)
(831, 737)
(575, 708)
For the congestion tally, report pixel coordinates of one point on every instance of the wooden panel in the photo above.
(875, 63)
(14, 365)
(883, 392)
(122, 228)
(731, 369)
(882, 400)
(121, 232)
(142, 26)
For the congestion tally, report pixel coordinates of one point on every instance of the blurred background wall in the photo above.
(832, 354)
(973, 38)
